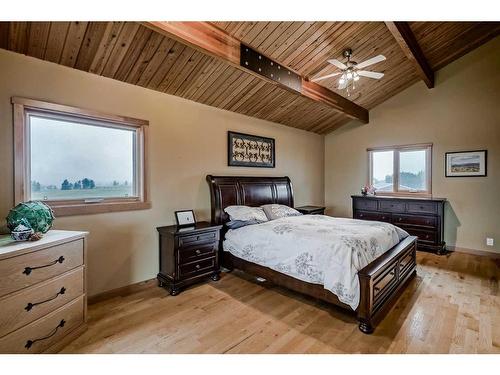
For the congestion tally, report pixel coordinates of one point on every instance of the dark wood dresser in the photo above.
(421, 217)
(188, 255)
(311, 210)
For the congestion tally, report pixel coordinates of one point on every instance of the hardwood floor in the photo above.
(453, 306)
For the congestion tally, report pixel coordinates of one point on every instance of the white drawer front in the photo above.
(44, 332)
(28, 269)
(36, 301)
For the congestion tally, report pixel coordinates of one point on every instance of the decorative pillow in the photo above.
(245, 213)
(235, 224)
(276, 211)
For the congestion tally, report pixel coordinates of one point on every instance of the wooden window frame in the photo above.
(23, 106)
(397, 149)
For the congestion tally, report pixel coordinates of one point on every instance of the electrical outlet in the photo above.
(490, 241)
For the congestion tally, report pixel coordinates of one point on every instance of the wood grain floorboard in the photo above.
(453, 306)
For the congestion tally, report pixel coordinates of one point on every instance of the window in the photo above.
(79, 161)
(401, 170)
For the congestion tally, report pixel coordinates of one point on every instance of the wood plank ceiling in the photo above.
(132, 53)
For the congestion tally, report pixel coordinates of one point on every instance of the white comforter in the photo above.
(317, 249)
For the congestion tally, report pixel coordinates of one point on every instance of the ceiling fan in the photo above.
(350, 71)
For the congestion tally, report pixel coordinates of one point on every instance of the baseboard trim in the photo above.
(482, 253)
(122, 291)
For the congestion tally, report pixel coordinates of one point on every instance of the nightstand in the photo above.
(188, 255)
(311, 210)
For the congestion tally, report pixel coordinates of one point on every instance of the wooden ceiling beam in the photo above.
(209, 39)
(408, 43)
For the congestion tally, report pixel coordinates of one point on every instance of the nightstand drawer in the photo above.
(192, 269)
(191, 254)
(194, 239)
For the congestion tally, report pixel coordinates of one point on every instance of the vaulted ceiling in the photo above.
(139, 55)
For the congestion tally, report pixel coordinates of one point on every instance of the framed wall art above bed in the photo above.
(246, 150)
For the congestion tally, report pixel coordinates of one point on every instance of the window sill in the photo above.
(97, 208)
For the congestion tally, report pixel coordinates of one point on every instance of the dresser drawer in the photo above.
(365, 204)
(422, 234)
(195, 268)
(427, 221)
(36, 301)
(25, 270)
(377, 216)
(391, 206)
(44, 332)
(187, 255)
(191, 240)
(422, 207)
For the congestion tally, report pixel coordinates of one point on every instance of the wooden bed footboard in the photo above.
(382, 280)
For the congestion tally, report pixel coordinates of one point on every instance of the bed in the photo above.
(378, 282)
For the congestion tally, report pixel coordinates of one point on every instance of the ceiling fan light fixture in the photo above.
(350, 71)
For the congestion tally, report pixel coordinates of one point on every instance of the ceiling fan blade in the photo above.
(338, 64)
(366, 73)
(325, 77)
(371, 61)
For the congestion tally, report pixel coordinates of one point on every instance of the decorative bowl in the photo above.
(22, 235)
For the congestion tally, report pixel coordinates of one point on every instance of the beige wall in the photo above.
(187, 141)
(461, 113)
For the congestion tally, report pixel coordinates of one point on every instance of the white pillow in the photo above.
(277, 211)
(245, 213)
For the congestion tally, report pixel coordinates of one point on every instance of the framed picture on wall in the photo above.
(245, 150)
(466, 163)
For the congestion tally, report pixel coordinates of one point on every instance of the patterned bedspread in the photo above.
(317, 249)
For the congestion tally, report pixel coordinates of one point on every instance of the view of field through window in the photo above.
(82, 161)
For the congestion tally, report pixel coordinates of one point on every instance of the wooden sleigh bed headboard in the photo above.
(249, 191)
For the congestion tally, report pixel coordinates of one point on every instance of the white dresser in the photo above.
(43, 301)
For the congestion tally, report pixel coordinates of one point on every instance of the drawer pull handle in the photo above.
(198, 266)
(28, 270)
(30, 343)
(400, 219)
(30, 305)
(198, 252)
